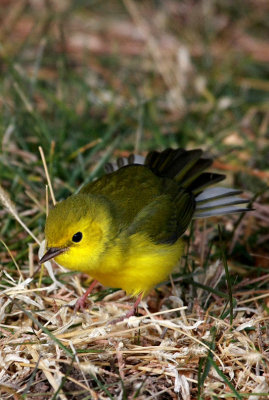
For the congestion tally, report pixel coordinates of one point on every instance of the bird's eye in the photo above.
(77, 237)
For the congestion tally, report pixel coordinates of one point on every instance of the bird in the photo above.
(125, 228)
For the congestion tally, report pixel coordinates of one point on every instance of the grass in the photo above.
(87, 82)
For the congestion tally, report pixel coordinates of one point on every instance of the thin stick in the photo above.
(4, 197)
(31, 260)
(13, 259)
(47, 200)
(47, 174)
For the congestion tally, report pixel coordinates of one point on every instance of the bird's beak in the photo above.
(51, 253)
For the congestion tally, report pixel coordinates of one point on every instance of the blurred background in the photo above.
(134, 75)
(90, 79)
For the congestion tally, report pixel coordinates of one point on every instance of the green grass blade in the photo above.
(224, 377)
(227, 274)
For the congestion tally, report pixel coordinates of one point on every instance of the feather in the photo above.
(219, 211)
(216, 193)
(224, 201)
(204, 180)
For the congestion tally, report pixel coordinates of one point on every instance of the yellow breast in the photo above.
(138, 267)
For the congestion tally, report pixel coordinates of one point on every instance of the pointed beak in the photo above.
(51, 253)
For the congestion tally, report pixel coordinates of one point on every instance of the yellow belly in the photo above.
(139, 267)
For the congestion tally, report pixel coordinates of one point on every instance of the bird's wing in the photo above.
(165, 219)
(129, 190)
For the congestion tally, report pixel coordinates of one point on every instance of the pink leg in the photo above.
(129, 313)
(80, 304)
(133, 310)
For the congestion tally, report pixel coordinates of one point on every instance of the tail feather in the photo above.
(153, 158)
(216, 193)
(122, 162)
(162, 164)
(203, 181)
(219, 201)
(187, 167)
(196, 171)
(136, 159)
(185, 163)
(165, 160)
(220, 211)
(226, 201)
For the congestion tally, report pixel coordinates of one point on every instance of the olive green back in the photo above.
(130, 189)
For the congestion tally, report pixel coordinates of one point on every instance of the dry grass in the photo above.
(46, 348)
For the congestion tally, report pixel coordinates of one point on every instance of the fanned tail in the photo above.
(187, 168)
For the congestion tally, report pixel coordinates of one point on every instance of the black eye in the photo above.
(77, 237)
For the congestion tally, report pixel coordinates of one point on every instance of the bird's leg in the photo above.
(80, 304)
(129, 313)
(134, 308)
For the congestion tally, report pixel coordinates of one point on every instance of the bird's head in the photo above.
(77, 231)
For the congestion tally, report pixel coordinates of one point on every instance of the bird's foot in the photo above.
(81, 304)
(129, 314)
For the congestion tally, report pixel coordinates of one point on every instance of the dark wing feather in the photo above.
(165, 219)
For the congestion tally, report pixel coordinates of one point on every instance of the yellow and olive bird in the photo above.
(125, 228)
